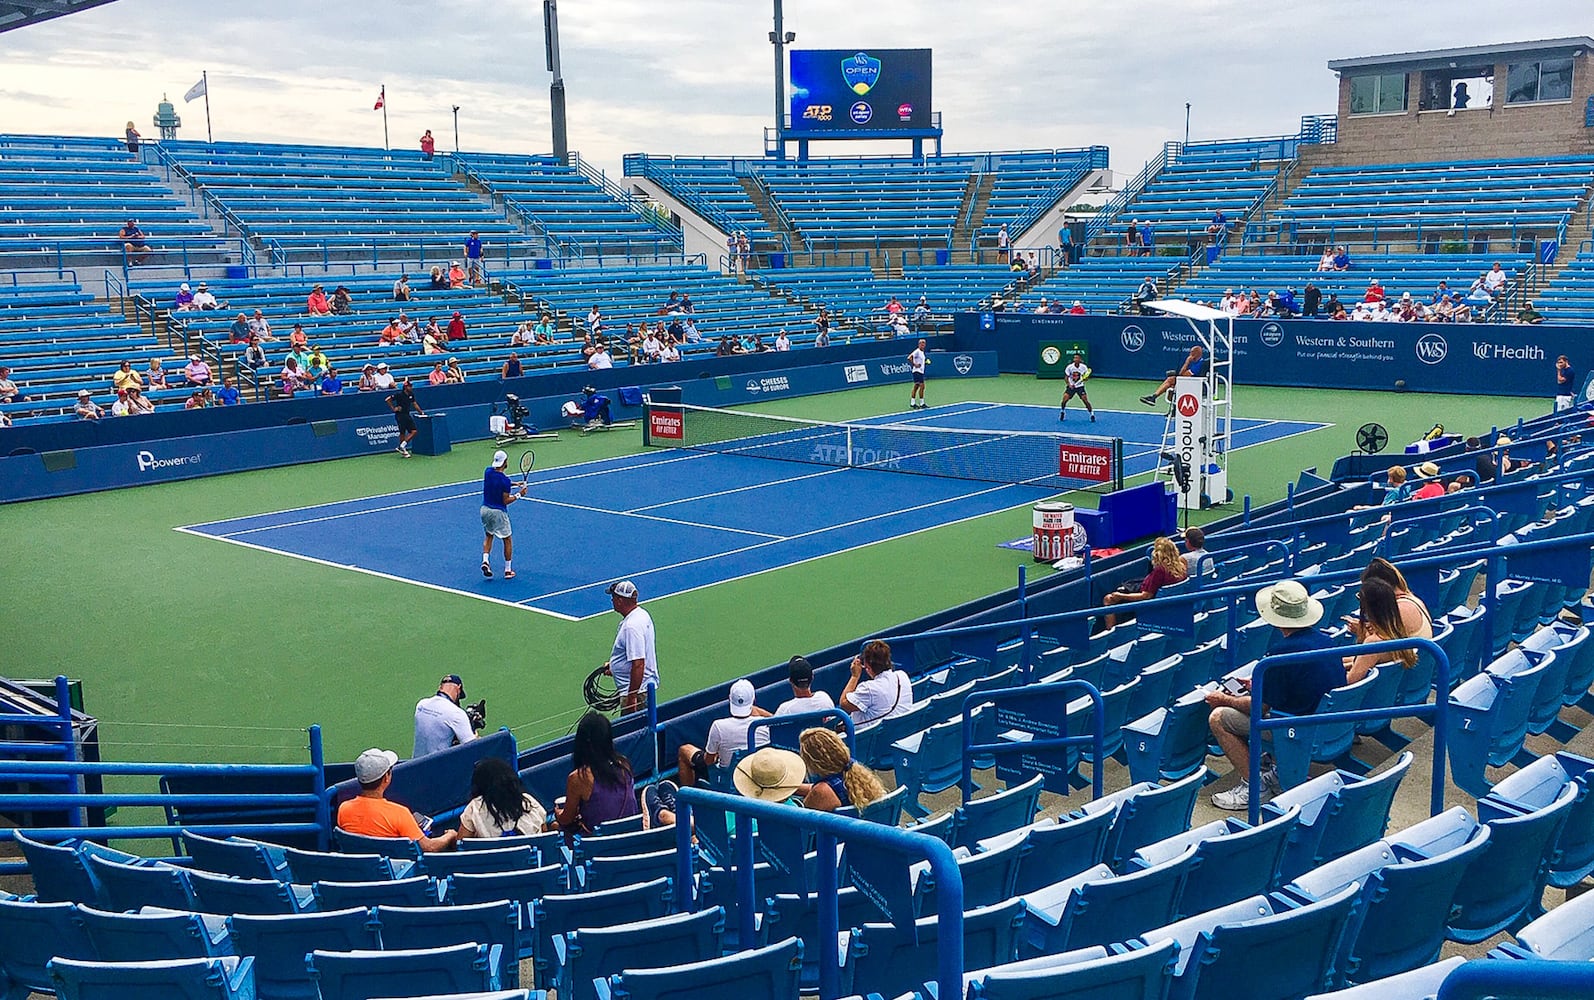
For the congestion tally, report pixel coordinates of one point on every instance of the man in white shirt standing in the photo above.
(917, 360)
(726, 737)
(439, 720)
(633, 662)
(804, 698)
(877, 689)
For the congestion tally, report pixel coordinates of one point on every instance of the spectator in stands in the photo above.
(228, 394)
(671, 304)
(652, 346)
(800, 674)
(1528, 314)
(1444, 311)
(1002, 242)
(140, 405)
(1195, 546)
(1428, 483)
(438, 281)
(431, 328)
(670, 351)
(297, 338)
(1230, 303)
(1276, 306)
(132, 138)
(600, 786)
(383, 379)
(876, 689)
(511, 368)
(897, 326)
(342, 300)
(1194, 364)
(594, 318)
(197, 372)
(119, 407)
(401, 289)
(1077, 309)
(1414, 614)
(87, 408)
(894, 306)
(331, 385)
(1460, 311)
(686, 304)
(1441, 293)
(1295, 690)
(726, 737)
(1311, 301)
(195, 400)
(744, 249)
(370, 814)
(523, 336)
(474, 269)
(782, 342)
(1218, 229)
(391, 334)
(1251, 304)
(317, 362)
(260, 327)
(456, 275)
(1326, 261)
(9, 393)
(292, 378)
(1148, 239)
(154, 376)
(428, 145)
(1379, 621)
(1494, 281)
(368, 378)
(1397, 489)
(1375, 291)
(499, 804)
(921, 315)
(600, 359)
(254, 354)
(183, 301)
(125, 377)
(544, 329)
(1146, 293)
(1334, 308)
(759, 347)
(437, 375)
(1478, 293)
(1167, 566)
(409, 330)
(433, 343)
(203, 299)
(238, 332)
(838, 780)
(317, 304)
(134, 243)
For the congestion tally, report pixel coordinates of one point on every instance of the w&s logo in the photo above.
(1431, 348)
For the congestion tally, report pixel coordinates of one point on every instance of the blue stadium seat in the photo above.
(131, 886)
(625, 824)
(887, 809)
(241, 858)
(155, 935)
(873, 742)
(1095, 908)
(1340, 813)
(1564, 934)
(1137, 974)
(32, 933)
(226, 978)
(1541, 783)
(279, 944)
(499, 924)
(1421, 984)
(1491, 716)
(788, 915)
(1145, 816)
(1408, 883)
(1169, 743)
(1057, 849)
(599, 952)
(883, 959)
(1232, 860)
(552, 916)
(770, 971)
(319, 866)
(622, 844)
(417, 891)
(548, 845)
(1262, 949)
(519, 887)
(509, 859)
(1567, 644)
(362, 975)
(611, 873)
(225, 894)
(1002, 812)
(1504, 886)
(60, 872)
(1295, 748)
(402, 848)
(988, 878)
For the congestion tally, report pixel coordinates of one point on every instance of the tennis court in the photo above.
(680, 520)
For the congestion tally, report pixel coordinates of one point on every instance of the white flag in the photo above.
(197, 90)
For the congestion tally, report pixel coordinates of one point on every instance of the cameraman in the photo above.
(440, 722)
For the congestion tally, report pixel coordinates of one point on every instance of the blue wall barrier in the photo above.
(1473, 358)
(61, 459)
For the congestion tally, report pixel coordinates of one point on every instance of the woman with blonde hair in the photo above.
(838, 780)
(1167, 566)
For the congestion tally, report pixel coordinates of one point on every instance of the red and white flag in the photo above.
(381, 99)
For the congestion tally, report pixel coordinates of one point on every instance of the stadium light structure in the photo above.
(456, 128)
(780, 38)
(556, 92)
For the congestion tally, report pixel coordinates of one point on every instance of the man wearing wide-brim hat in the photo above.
(1295, 689)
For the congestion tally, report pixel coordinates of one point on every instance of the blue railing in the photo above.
(1110, 211)
(1479, 979)
(993, 700)
(825, 717)
(830, 830)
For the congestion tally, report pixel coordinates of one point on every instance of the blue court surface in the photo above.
(675, 521)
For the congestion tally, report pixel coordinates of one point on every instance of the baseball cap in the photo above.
(453, 679)
(372, 764)
(624, 588)
(500, 460)
(800, 670)
(382, 367)
(741, 699)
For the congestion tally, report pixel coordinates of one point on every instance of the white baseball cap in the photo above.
(372, 764)
(625, 588)
(500, 460)
(741, 699)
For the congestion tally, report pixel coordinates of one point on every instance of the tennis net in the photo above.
(1031, 458)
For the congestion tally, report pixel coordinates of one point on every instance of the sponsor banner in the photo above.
(1476, 358)
(666, 424)
(1089, 463)
(855, 373)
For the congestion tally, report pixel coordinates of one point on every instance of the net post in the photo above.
(1118, 463)
(647, 423)
(849, 463)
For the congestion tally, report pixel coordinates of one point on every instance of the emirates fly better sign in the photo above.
(1086, 462)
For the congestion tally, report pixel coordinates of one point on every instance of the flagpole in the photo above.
(386, 144)
(204, 78)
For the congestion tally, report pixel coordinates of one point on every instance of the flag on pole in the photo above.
(381, 99)
(197, 90)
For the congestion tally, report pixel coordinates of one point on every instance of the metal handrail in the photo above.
(991, 699)
(1110, 211)
(830, 830)
(1544, 980)
(819, 717)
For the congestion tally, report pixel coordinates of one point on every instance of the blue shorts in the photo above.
(918, 378)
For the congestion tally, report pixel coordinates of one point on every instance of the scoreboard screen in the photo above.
(844, 90)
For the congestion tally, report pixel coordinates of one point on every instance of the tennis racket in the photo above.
(527, 460)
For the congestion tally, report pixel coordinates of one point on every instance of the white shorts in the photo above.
(495, 522)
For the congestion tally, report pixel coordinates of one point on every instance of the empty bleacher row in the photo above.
(1202, 180)
(856, 295)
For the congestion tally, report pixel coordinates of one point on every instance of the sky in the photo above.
(695, 77)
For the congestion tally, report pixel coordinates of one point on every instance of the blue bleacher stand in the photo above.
(362, 975)
(32, 933)
(599, 952)
(227, 978)
(278, 945)
(771, 972)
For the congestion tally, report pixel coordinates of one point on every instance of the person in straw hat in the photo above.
(1295, 689)
(770, 775)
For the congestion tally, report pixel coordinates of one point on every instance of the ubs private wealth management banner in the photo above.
(1486, 359)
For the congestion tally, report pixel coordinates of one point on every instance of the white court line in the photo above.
(805, 534)
(739, 489)
(350, 513)
(378, 574)
(654, 517)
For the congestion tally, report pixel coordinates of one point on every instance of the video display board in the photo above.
(842, 90)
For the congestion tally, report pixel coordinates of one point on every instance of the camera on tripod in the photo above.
(1181, 469)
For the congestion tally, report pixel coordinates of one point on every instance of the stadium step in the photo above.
(759, 195)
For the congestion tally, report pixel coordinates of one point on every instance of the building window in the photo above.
(1379, 94)
(1546, 80)
(1456, 89)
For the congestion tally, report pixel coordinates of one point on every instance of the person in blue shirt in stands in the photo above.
(497, 494)
(1148, 240)
(331, 385)
(473, 258)
(227, 395)
(1293, 690)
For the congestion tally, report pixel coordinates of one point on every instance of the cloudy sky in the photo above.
(695, 76)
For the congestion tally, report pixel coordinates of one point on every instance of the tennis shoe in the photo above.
(1062, 415)
(509, 574)
(1093, 418)
(1235, 799)
(1149, 400)
(399, 449)
(487, 571)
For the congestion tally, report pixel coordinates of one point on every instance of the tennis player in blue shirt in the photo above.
(497, 494)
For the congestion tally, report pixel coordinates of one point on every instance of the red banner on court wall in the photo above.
(667, 424)
(1083, 461)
